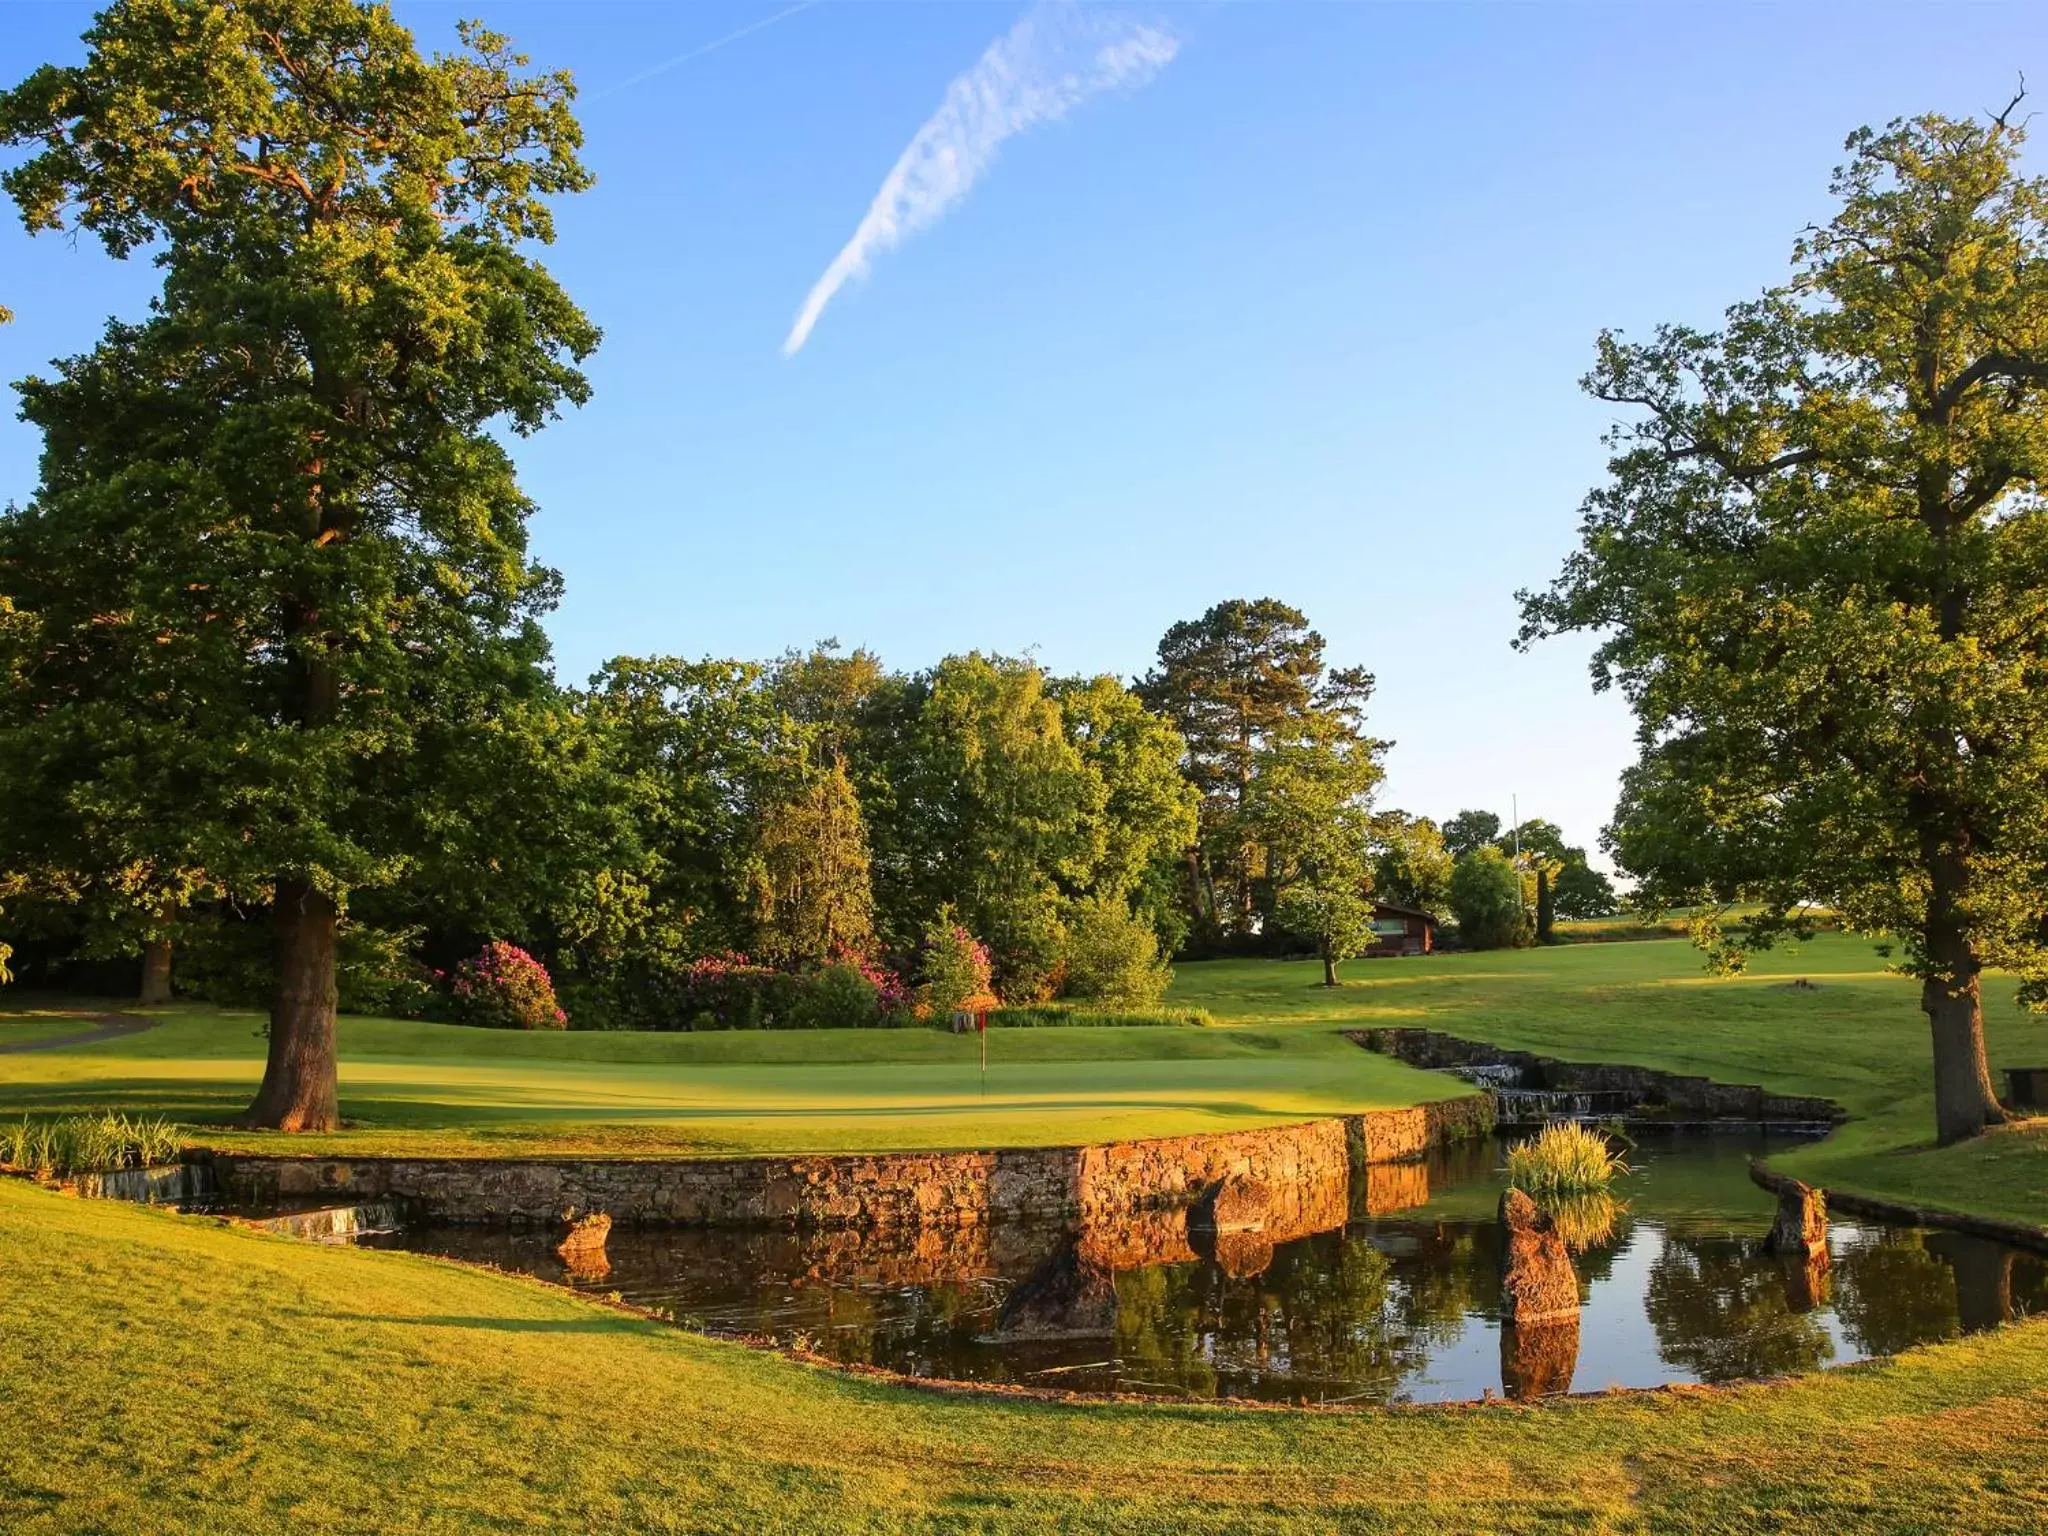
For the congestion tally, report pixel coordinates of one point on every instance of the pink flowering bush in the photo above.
(957, 970)
(732, 991)
(503, 987)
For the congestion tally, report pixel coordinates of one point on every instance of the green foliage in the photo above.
(1243, 681)
(1112, 957)
(1546, 907)
(1411, 863)
(979, 801)
(1820, 568)
(1488, 900)
(1094, 1016)
(1150, 811)
(282, 623)
(1469, 831)
(1582, 893)
(954, 969)
(88, 1144)
(812, 892)
(1564, 1158)
(503, 987)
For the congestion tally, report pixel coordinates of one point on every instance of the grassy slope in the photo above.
(336, 1390)
(415, 1087)
(1858, 1038)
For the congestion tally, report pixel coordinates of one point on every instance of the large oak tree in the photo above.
(274, 582)
(1820, 565)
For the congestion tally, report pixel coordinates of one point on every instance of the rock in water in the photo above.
(1066, 1297)
(581, 1249)
(1538, 1284)
(1801, 1229)
(1537, 1359)
(1234, 1205)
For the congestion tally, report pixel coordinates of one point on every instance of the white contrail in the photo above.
(1053, 59)
(699, 51)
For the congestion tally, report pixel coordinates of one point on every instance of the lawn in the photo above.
(332, 1390)
(1856, 1036)
(418, 1087)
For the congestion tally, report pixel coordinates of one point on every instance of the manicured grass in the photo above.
(439, 1088)
(1857, 1037)
(165, 1374)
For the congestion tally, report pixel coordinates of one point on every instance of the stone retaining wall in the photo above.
(1664, 1093)
(1306, 1165)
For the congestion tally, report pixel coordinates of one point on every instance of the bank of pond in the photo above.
(1395, 1297)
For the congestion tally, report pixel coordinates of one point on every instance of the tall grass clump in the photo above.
(1563, 1159)
(88, 1144)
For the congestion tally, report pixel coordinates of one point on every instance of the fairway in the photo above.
(332, 1389)
(411, 1087)
(1856, 1035)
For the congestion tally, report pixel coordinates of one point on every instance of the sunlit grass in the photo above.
(1564, 1158)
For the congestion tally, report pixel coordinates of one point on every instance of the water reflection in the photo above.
(1386, 1290)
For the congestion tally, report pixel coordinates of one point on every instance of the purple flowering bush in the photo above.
(503, 987)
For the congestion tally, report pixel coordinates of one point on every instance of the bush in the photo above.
(1486, 895)
(1069, 1016)
(503, 987)
(956, 970)
(88, 1144)
(1113, 957)
(1563, 1159)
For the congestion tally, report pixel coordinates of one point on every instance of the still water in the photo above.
(1397, 1300)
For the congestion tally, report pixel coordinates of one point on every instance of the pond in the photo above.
(1398, 1301)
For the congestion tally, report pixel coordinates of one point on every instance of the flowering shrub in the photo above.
(503, 987)
(957, 970)
(729, 991)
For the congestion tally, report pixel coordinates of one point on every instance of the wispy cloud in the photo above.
(1056, 57)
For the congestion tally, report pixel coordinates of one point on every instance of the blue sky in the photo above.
(1299, 312)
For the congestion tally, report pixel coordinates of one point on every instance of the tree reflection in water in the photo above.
(1401, 1301)
(1721, 1313)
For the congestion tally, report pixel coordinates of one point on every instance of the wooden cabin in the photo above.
(1400, 931)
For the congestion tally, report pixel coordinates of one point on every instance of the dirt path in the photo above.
(108, 1026)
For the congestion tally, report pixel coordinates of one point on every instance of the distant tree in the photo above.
(1411, 866)
(814, 902)
(1536, 836)
(954, 968)
(1581, 891)
(1469, 831)
(1311, 806)
(1818, 565)
(1112, 956)
(276, 567)
(1546, 908)
(1244, 673)
(1149, 809)
(982, 802)
(1488, 898)
(827, 692)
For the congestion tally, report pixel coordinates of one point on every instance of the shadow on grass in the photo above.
(602, 1324)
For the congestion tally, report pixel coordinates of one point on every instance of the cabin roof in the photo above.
(1388, 906)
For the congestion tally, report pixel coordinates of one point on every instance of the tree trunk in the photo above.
(1964, 1103)
(1329, 967)
(298, 1092)
(156, 973)
(1964, 1100)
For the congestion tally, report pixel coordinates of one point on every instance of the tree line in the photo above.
(271, 647)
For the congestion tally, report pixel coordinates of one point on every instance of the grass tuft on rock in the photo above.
(1563, 1158)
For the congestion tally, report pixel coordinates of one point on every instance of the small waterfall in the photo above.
(184, 1184)
(1519, 1102)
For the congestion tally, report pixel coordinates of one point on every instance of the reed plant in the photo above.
(88, 1144)
(1564, 1158)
